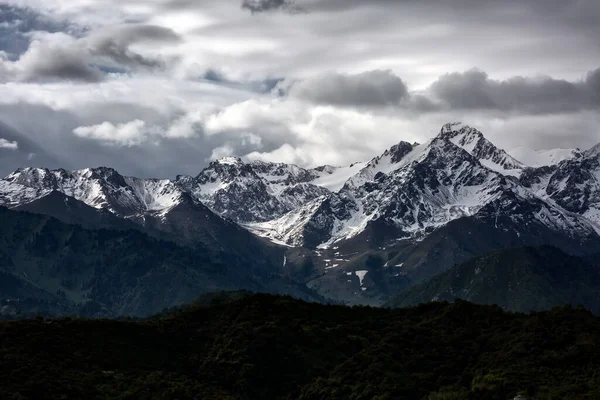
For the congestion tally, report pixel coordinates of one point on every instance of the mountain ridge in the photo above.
(321, 224)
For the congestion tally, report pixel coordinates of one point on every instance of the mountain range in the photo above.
(359, 234)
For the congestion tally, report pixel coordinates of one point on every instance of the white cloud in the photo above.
(186, 126)
(222, 151)
(311, 135)
(137, 132)
(6, 144)
(129, 134)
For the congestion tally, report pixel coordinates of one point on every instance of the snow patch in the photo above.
(361, 275)
(335, 179)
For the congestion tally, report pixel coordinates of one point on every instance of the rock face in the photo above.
(422, 206)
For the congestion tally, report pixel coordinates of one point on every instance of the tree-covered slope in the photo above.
(267, 347)
(517, 279)
(61, 268)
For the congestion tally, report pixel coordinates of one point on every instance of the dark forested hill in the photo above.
(55, 268)
(267, 347)
(518, 279)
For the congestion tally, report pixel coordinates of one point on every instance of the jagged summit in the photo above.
(229, 161)
(452, 129)
(417, 188)
(101, 187)
(475, 143)
(412, 187)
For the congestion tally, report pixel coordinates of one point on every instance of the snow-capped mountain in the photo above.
(473, 142)
(573, 184)
(417, 188)
(411, 188)
(257, 191)
(262, 191)
(160, 207)
(101, 188)
(417, 207)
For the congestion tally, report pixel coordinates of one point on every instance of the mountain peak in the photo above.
(473, 142)
(229, 161)
(398, 151)
(452, 129)
(460, 132)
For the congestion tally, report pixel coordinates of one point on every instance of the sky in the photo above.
(159, 88)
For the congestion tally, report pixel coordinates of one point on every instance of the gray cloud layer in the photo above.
(258, 6)
(56, 56)
(475, 90)
(371, 88)
(470, 90)
(114, 44)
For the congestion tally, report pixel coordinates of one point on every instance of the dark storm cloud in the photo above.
(372, 88)
(48, 62)
(593, 83)
(114, 44)
(258, 6)
(42, 61)
(475, 90)
(52, 57)
(470, 90)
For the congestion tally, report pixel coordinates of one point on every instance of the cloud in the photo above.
(371, 88)
(473, 89)
(17, 23)
(592, 82)
(351, 77)
(113, 44)
(59, 56)
(470, 90)
(222, 151)
(258, 6)
(289, 131)
(54, 56)
(244, 143)
(137, 132)
(5, 144)
(129, 134)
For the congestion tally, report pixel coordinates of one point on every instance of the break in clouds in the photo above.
(159, 88)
